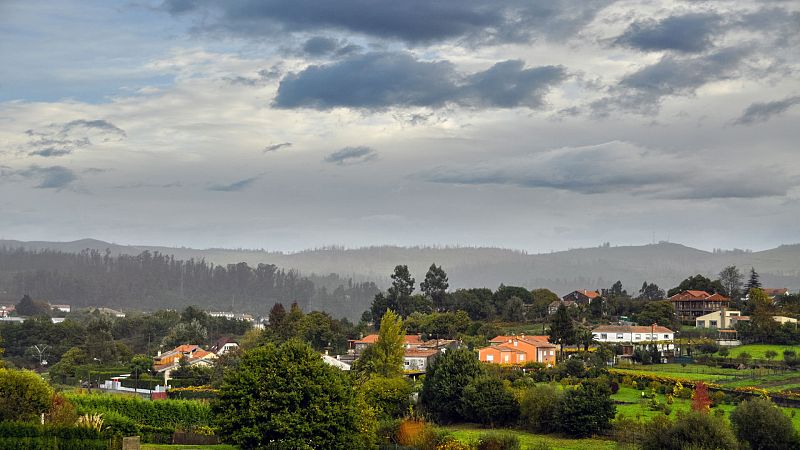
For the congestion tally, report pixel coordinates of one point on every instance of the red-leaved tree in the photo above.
(700, 399)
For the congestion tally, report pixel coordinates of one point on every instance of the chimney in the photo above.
(159, 353)
(326, 352)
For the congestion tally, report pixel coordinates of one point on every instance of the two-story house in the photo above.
(631, 337)
(689, 305)
(518, 350)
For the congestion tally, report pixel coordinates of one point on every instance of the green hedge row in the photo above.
(173, 414)
(15, 435)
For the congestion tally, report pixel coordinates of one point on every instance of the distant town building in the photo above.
(6, 310)
(61, 308)
(553, 306)
(631, 337)
(689, 305)
(359, 345)
(722, 319)
(581, 297)
(419, 360)
(518, 350)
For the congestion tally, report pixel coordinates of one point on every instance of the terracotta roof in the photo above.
(506, 348)
(772, 292)
(412, 352)
(373, 338)
(538, 341)
(691, 295)
(590, 294)
(630, 329)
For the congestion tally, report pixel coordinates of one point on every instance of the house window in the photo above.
(489, 358)
(619, 336)
(638, 337)
(712, 323)
(505, 358)
(603, 336)
(666, 336)
(701, 324)
(522, 357)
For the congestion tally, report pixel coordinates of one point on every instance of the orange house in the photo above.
(518, 350)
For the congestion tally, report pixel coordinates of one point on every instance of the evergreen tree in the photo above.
(753, 282)
(435, 286)
(562, 331)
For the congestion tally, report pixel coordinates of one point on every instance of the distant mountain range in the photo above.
(665, 264)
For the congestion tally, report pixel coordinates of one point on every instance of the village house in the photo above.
(689, 305)
(581, 297)
(718, 319)
(7, 310)
(165, 363)
(359, 345)
(631, 337)
(223, 346)
(553, 306)
(518, 350)
(61, 308)
(418, 359)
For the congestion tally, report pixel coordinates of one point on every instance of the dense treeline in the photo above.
(152, 280)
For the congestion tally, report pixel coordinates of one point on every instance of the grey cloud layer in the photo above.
(235, 186)
(761, 112)
(412, 21)
(63, 139)
(351, 155)
(52, 177)
(616, 167)
(381, 80)
(690, 33)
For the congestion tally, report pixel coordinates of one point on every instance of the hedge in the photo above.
(184, 414)
(15, 435)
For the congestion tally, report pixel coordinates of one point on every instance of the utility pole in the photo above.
(41, 349)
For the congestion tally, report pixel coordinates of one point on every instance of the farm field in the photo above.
(186, 447)
(467, 433)
(758, 351)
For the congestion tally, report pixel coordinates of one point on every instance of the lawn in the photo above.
(467, 433)
(757, 351)
(690, 372)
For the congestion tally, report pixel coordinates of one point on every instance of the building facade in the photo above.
(689, 305)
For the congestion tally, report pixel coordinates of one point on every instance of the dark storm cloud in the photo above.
(235, 186)
(615, 167)
(688, 33)
(643, 90)
(53, 177)
(381, 80)
(63, 139)
(351, 155)
(761, 112)
(319, 45)
(276, 147)
(412, 21)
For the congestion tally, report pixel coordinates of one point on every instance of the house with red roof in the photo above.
(582, 297)
(691, 304)
(359, 345)
(518, 350)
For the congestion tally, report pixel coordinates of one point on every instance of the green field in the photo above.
(466, 433)
(635, 408)
(690, 372)
(186, 447)
(757, 351)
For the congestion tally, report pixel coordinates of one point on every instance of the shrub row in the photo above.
(15, 435)
(184, 414)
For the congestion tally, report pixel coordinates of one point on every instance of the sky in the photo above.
(538, 125)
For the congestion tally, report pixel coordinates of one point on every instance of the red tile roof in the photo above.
(772, 292)
(630, 329)
(411, 339)
(692, 295)
(412, 352)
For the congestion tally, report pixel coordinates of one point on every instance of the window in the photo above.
(701, 324)
(522, 357)
(505, 358)
(620, 336)
(489, 358)
(604, 336)
(638, 337)
(712, 323)
(666, 336)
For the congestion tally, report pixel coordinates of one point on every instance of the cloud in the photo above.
(351, 155)
(263, 76)
(63, 139)
(643, 90)
(411, 21)
(318, 45)
(688, 33)
(276, 147)
(235, 186)
(616, 167)
(762, 112)
(52, 177)
(382, 80)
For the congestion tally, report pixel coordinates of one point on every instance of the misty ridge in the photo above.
(343, 281)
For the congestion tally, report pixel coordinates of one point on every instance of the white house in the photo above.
(717, 320)
(418, 359)
(631, 337)
(335, 362)
(62, 308)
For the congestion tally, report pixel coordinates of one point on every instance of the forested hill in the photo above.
(665, 264)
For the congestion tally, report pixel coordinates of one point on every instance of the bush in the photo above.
(15, 435)
(763, 425)
(444, 384)
(539, 408)
(586, 410)
(390, 396)
(497, 441)
(693, 430)
(487, 401)
(24, 396)
(172, 413)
